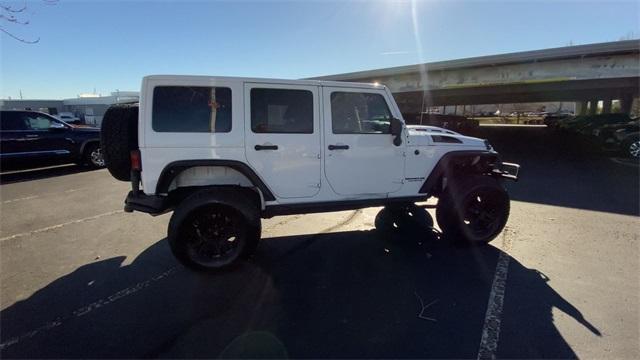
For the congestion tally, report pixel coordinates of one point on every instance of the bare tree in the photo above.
(16, 15)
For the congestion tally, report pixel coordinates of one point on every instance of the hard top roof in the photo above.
(265, 80)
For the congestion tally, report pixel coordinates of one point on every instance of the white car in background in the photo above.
(68, 117)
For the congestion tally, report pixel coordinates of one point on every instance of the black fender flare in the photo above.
(174, 169)
(448, 159)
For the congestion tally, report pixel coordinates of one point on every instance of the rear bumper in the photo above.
(150, 204)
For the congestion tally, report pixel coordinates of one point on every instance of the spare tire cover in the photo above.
(119, 135)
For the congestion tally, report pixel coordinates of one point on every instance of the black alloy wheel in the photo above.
(481, 212)
(214, 235)
(473, 211)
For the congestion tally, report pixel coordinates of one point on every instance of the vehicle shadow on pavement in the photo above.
(562, 169)
(14, 175)
(349, 294)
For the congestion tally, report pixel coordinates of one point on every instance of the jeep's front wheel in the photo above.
(473, 211)
(214, 230)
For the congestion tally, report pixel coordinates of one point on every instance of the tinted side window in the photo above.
(12, 121)
(359, 113)
(281, 111)
(191, 109)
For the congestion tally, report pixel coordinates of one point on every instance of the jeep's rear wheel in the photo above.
(214, 230)
(118, 136)
(213, 236)
(473, 211)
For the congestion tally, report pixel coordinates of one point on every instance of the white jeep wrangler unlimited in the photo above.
(225, 152)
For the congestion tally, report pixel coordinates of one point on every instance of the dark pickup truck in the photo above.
(28, 137)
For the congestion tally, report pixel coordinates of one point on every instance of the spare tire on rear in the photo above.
(119, 135)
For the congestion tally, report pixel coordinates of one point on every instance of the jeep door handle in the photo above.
(265, 147)
(338, 147)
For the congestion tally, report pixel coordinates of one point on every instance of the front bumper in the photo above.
(507, 171)
(150, 204)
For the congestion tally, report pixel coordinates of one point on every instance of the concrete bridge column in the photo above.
(625, 104)
(606, 106)
(593, 107)
(581, 108)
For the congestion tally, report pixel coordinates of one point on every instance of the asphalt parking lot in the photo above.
(81, 278)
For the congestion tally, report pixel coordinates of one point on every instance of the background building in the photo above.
(88, 108)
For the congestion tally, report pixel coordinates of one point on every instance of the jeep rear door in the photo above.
(360, 157)
(283, 137)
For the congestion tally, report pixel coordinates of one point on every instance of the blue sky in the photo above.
(109, 45)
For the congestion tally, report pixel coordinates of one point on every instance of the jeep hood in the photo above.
(420, 135)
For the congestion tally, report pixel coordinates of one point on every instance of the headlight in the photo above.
(487, 145)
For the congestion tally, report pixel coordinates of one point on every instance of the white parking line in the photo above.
(74, 190)
(492, 319)
(20, 199)
(47, 194)
(90, 307)
(53, 227)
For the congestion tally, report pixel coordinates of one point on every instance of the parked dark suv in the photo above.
(33, 137)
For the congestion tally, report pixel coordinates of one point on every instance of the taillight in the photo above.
(136, 163)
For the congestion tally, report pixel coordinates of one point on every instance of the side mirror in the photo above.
(396, 130)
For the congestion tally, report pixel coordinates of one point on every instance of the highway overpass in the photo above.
(584, 74)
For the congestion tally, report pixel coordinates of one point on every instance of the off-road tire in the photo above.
(456, 206)
(403, 218)
(233, 204)
(386, 221)
(119, 135)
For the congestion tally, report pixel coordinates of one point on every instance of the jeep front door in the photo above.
(283, 137)
(360, 156)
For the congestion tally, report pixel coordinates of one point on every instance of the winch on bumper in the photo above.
(507, 170)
